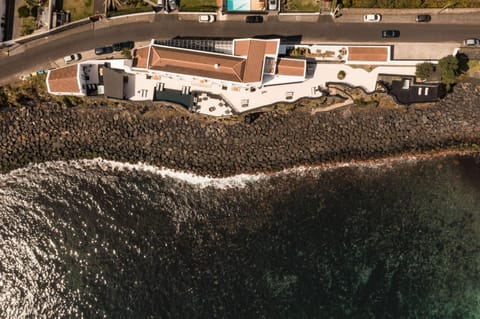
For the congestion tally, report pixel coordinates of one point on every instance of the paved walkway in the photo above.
(98, 7)
(447, 16)
(17, 21)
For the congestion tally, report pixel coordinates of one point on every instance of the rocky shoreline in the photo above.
(274, 141)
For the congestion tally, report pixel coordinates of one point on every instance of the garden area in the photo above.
(29, 14)
(198, 5)
(410, 3)
(302, 6)
(78, 9)
(129, 7)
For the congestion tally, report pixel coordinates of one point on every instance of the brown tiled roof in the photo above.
(141, 57)
(291, 67)
(242, 46)
(271, 46)
(64, 79)
(375, 54)
(254, 65)
(255, 51)
(211, 65)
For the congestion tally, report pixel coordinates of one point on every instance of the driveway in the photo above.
(98, 7)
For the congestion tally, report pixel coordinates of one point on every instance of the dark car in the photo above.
(103, 50)
(254, 19)
(423, 18)
(123, 45)
(390, 34)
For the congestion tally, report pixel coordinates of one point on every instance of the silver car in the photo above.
(72, 58)
(272, 4)
(172, 5)
(472, 42)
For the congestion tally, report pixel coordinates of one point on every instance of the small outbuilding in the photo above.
(407, 91)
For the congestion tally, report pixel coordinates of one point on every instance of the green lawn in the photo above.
(198, 5)
(78, 9)
(302, 5)
(125, 9)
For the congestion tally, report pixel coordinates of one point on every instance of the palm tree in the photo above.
(110, 5)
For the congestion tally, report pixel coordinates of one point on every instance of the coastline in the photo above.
(241, 180)
(276, 141)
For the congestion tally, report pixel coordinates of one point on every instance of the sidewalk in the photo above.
(447, 16)
(17, 21)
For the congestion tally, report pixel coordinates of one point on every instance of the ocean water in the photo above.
(99, 239)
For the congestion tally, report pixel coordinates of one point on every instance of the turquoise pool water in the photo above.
(238, 5)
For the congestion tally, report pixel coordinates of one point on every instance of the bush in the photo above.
(34, 11)
(23, 12)
(28, 26)
(449, 70)
(126, 53)
(424, 70)
(341, 75)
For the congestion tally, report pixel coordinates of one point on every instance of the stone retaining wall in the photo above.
(274, 141)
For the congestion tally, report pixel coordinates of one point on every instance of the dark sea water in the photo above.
(97, 239)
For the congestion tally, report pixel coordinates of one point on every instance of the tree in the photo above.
(23, 12)
(424, 70)
(449, 70)
(110, 5)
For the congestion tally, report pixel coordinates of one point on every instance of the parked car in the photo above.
(206, 18)
(423, 18)
(272, 4)
(390, 34)
(72, 58)
(254, 19)
(471, 42)
(372, 17)
(172, 5)
(103, 50)
(123, 45)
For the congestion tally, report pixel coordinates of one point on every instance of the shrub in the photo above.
(424, 70)
(341, 75)
(23, 12)
(126, 53)
(34, 11)
(28, 26)
(449, 70)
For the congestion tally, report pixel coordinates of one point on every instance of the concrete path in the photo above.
(447, 16)
(333, 106)
(98, 7)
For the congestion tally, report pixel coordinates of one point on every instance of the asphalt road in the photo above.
(168, 26)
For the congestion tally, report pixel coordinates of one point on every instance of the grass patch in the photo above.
(198, 5)
(78, 9)
(364, 102)
(125, 9)
(28, 26)
(302, 5)
(473, 68)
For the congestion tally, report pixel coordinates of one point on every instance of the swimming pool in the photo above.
(238, 5)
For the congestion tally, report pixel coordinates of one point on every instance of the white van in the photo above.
(206, 19)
